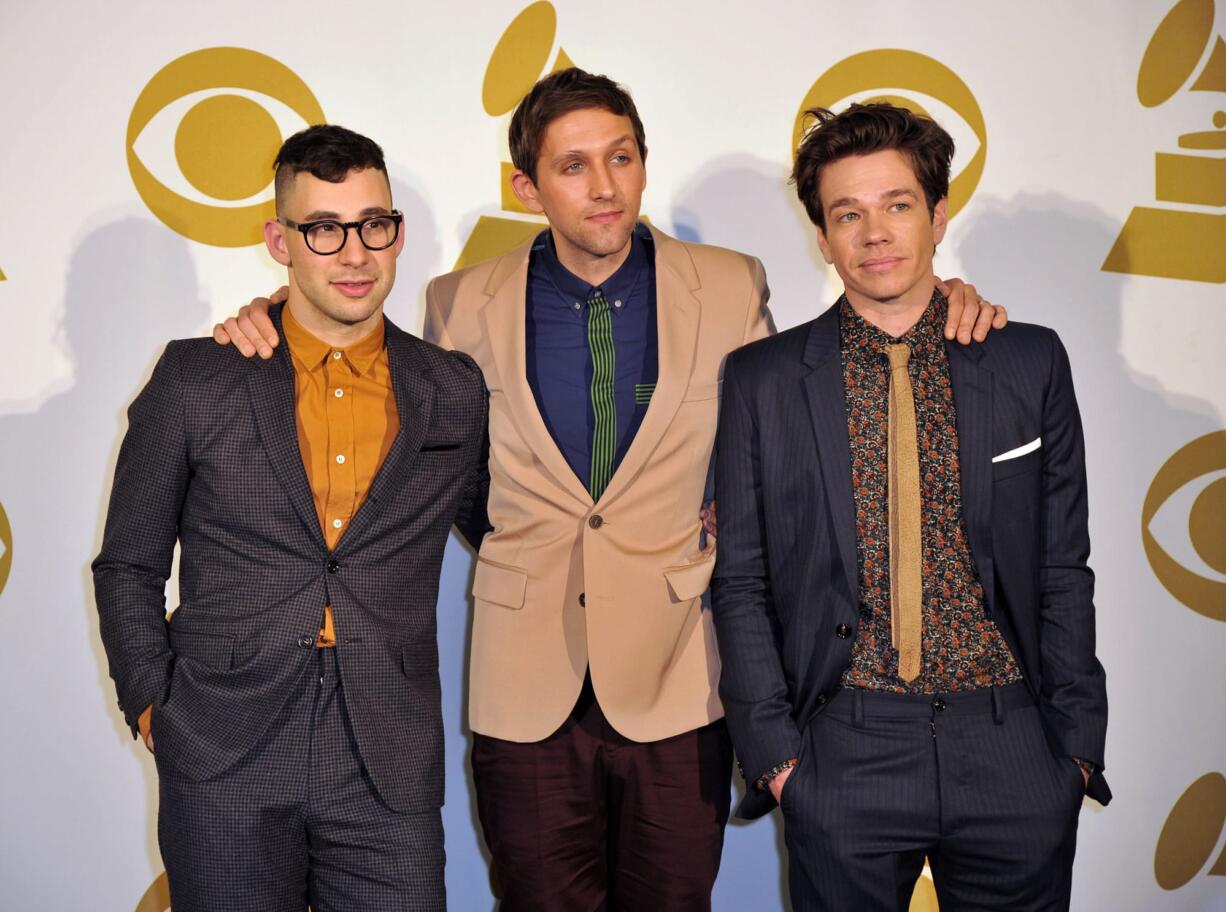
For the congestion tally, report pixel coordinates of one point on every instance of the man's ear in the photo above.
(940, 219)
(525, 189)
(824, 246)
(274, 240)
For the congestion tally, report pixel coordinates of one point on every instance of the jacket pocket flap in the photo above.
(501, 585)
(697, 390)
(689, 581)
(216, 650)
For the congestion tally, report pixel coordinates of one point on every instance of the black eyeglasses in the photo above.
(328, 236)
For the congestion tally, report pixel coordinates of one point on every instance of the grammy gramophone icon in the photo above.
(519, 59)
(1188, 242)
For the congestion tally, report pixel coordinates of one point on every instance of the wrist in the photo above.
(763, 782)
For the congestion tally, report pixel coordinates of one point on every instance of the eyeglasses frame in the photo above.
(395, 215)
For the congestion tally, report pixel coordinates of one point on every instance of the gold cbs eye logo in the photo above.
(1191, 832)
(224, 145)
(881, 75)
(1185, 511)
(6, 548)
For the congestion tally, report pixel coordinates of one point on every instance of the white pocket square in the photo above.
(1019, 451)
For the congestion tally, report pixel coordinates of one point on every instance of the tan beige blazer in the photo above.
(563, 584)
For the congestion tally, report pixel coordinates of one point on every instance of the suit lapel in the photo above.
(972, 385)
(273, 397)
(414, 392)
(677, 316)
(825, 393)
(505, 321)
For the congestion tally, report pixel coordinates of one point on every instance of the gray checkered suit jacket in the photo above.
(211, 459)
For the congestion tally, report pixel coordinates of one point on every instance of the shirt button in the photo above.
(617, 303)
(339, 393)
(337, 523)
(595, 521)
(336, 356)
(340, 458)
(578, 306)
(305, 641)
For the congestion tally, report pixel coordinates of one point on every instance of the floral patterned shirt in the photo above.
(962, 647)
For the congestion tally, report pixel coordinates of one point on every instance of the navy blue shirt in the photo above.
(559, 360)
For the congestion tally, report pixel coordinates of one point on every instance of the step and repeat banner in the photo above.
(1090, 196)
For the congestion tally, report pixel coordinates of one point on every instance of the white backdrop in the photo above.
(94, 282)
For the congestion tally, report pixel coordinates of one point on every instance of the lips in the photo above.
(880, 264)
(354, 288)
(605, 218)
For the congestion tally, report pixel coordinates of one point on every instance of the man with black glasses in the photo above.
(294, 699)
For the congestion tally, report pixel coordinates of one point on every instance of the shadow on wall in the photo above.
(746, 203)
(419, 261)
(131, 287)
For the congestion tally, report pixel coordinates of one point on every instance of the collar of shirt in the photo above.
(310, 352)
(861, 339)
(620, 286)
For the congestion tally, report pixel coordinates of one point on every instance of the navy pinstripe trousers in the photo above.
(966, 779)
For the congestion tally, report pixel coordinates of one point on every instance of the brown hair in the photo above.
(555, 96)
(326, 151)
(864, 129)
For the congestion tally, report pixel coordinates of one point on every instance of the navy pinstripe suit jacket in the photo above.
(786, 574)
(211, 460)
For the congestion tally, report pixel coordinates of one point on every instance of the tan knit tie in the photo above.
(906, 613)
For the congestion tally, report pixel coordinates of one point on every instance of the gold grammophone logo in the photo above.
(1191, 484)
(886, 73)
(1191, 833)
(1172, 242)
(6, 548)
(2, 275)
(223, 146)
(520, 58)
(157, 897)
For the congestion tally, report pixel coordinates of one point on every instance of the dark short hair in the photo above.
(862, 130)
(557, 95)
(327, 152)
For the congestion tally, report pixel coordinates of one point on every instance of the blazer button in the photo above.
(582, 600)
(821, 699)
(595, 521)
(334, 566)
(305, 641)
(842, 631)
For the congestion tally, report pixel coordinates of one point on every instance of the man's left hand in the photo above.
(970, 316)
(707, 515)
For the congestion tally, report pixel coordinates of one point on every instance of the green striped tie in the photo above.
(604, 364)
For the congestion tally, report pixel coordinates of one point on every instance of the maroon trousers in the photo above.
(588, 821)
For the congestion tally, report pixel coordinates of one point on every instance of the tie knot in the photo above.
(899, 355)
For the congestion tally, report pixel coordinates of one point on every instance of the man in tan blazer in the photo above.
(600, 756)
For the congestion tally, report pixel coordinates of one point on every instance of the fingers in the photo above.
(220, 336)
(985, 320)
(256, 326)
(707, 515)
(280, 296)
(149, 742)
(969, 316)
(1001, 320)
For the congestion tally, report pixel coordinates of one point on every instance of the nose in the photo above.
(874, 229)
(354, 253)
(602, 186)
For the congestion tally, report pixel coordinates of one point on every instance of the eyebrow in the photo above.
(582, 153)
(889, 194)
(321, 214)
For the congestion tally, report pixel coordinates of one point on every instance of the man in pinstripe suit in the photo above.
(294, 698)
(901, 598)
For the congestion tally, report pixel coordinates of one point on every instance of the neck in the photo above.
(594, 269)
(894, 316)
(336, 333)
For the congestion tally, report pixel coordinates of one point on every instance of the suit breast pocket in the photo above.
(1031, 462)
